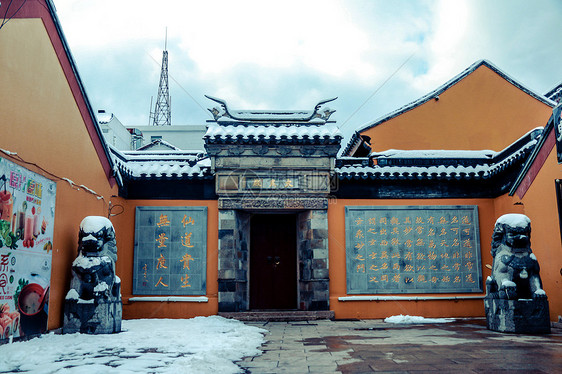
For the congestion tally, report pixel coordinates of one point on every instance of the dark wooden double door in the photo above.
(273, 261)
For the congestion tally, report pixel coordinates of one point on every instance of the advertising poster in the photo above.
(27, 212)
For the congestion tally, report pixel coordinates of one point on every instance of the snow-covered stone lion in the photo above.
(515, 270)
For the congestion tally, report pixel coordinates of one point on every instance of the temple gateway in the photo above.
(279, 213)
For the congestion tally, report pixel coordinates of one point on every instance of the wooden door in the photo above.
(273, 261)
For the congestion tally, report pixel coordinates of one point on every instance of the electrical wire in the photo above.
(181, 87)
(377, 90)
(4, 20)
(78, 187)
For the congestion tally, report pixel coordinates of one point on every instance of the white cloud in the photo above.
(290, 54)
(514, 35)
(218, 35)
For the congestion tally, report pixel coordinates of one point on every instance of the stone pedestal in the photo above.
(524, 316)
(95, 317)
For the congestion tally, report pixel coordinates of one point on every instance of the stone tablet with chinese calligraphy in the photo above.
(412, 249)
(170, 251)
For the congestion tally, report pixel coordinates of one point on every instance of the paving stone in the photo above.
(323, 369)
(295, 362)
(373, 346)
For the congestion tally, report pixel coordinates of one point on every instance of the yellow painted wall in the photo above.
(40, 120)
(482, 111)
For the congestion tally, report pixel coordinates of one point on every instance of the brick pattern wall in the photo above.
(313, 260)
(233, 260)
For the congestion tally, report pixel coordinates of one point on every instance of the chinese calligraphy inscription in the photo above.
(170, 251)
(412, 249)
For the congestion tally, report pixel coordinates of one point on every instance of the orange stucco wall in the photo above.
(41, 121)
(540, 205)
(382, 309)
(474, 114)
(125, 223)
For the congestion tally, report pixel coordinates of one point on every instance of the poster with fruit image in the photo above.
(27, 213)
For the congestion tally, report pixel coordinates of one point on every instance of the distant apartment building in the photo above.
(113, 131)
(123, 138)
(186, 137)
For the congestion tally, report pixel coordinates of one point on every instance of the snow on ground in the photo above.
(197, 345)
(415, 319)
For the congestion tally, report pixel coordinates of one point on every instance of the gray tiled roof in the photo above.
(436, 164)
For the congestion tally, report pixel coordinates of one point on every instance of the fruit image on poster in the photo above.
(27, 212)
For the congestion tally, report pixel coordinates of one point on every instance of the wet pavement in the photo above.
(368, 346)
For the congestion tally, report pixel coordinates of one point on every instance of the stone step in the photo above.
(279, 315)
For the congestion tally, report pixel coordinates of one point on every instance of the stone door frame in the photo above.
(312, 257)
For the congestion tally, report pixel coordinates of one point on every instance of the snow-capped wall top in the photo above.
(104, 117)
(165, 167)
(282, 133)
(555, 94)
(393, 153)
(222, 114)
(159, 142)
(93, 224)
(514, 220)
(437, 164)
(176, 164)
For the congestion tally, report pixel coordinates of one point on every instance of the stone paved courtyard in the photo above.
(366, 346)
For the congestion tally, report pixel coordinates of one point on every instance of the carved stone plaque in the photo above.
(412, 249)
(170, 251)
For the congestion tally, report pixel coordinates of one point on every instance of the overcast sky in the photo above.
(291, 54)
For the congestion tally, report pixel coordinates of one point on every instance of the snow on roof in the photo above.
(163, 155)
(393, 153)
(104, 117)
(157, 142)
(265, 115)
(284, 133)
(225, 115)
(413, 172)
(555, 94)
(170, 164)
(162, 168)
(436, 164)
(433, 94)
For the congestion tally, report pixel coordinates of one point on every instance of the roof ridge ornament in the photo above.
(271, 115)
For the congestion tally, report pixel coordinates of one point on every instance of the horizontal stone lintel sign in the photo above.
(170, 251)
(284, 202)
(412, 249)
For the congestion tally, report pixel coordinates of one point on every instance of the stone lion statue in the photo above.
(515, 270)
(93, 270)
(93, 303)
